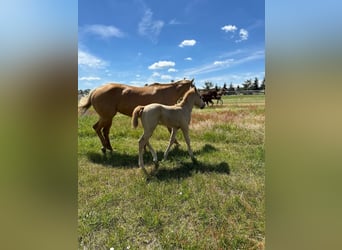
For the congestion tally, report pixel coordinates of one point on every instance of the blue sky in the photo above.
(143, 41)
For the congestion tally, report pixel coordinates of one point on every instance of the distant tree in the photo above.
(255, 84)
(238, 88)
(262, 86)
(231, 87)
(230, 90)
(217, 87)
(225, 86)
(247, 84)
(208, 85)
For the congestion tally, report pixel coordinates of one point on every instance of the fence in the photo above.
(245, 92)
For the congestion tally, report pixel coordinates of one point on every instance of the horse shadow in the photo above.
(178, 152)
(187, 169)
(183, 169)
(114, 159)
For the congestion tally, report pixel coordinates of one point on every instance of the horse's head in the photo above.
(198, 99)
(186, 82)
(184, 85)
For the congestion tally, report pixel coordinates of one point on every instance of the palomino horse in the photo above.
(111, 98)
(177, 117)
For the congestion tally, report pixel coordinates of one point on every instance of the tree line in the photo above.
(247, 87)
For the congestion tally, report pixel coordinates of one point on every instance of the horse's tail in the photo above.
(136, 114)
(85, 103)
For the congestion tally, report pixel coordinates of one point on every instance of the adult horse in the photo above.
(176, 116)
(111, 98)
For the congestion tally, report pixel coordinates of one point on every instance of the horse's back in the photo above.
(106, 97)
(157, 113)
(115, 97)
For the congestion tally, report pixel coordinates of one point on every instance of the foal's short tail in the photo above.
(85, 103)
(136, 114)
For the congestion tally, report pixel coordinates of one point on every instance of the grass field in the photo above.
(216, 203)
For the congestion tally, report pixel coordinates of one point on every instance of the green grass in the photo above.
(217, 202)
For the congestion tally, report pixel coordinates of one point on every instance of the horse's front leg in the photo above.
(172, 140)
(187, 140)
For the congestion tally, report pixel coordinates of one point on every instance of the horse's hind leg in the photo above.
(142, 142)
(172, 139)
(105, 132)
(175, 141)
(100, 128)
(97, 127)
(154, 155)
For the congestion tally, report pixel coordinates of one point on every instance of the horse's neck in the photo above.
(187, 104)
(181, 89)
(174, 92)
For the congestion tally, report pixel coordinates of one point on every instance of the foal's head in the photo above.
(198, 102)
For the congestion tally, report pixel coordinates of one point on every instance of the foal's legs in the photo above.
(154, 154)
(187, 140)
(172, 139)
(175, 141)
(142, 142)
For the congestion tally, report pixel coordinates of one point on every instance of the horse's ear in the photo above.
(192, 82)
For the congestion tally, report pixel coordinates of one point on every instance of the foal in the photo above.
(176, 117)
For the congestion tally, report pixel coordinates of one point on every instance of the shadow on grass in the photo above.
(187, 169)
(114, 159)
(183, 152)
(124, 160)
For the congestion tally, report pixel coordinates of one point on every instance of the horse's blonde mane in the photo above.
(190, 91)
(167, 84)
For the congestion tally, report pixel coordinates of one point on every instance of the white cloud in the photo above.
(89, 78)
(174, 22)
(188, 59)
(165, 77)
(187, 43)
(229, 28)
(243, 35)
(149, 27)
(155, 74)
(89, 60)
(172, 70)
(216, 65)
(219, 65)
(103, 31)
(162, 64)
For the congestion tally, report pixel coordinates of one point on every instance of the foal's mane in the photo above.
(190, 91)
